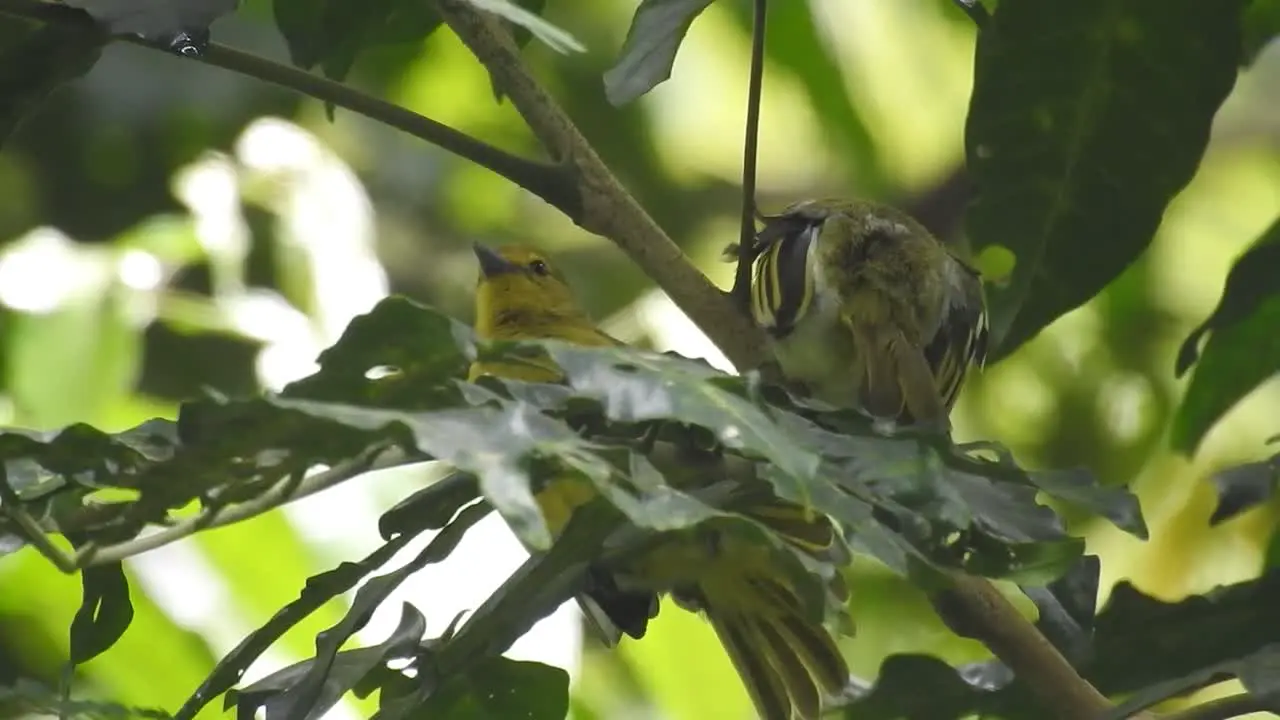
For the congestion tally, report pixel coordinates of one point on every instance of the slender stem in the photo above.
(1228, 707)
(742, 278)
(542, 179)
(282, 493)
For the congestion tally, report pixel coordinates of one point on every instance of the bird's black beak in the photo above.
(491, 263)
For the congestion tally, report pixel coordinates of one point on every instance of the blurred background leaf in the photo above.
(1070, 177)
(1242, 351)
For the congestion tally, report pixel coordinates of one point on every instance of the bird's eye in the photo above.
(539, 267)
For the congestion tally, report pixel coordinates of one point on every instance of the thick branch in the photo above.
(987, 615)
(607, 208)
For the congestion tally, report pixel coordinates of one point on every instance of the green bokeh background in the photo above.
(136, 302)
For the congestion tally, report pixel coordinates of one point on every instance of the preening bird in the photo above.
(787, 661)
(867, 309)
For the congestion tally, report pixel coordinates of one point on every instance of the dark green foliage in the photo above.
(914, 501)
(499, 688)
(1243, 350)
(333, 33)
(1137, 646)
(1261, 26)
(104, 614)
(1086, 119)
(36, 57)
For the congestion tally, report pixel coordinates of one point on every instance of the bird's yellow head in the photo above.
(519, 293)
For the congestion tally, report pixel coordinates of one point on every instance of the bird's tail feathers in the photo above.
(788, 664)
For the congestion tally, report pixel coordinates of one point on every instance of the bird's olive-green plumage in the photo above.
(866, 308)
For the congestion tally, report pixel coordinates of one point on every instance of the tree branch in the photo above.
(1227, 707)
(547, 181)
(607, 208)
(283, 492)
(985, 614)
(741, 291)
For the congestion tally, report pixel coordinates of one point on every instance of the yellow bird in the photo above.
(787, 663)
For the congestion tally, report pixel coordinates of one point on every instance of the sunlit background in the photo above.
(170, 227)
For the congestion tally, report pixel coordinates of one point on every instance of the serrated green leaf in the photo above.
(635, 387)
(494, 444)
(286, 693)
(1085, 120)
(318, 590)
(657, 29)
(399, 354)
(307, 698)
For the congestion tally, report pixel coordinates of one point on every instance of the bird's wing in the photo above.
(960, 337)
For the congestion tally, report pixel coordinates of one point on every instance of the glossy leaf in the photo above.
(1085, 120)
(311, 695)
(285, 693)
(657, 29)
(318, 590)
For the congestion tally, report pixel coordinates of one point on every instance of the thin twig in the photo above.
(607, 208)
(742, 277)
(281, 493)
(1228, 707)
(542, 179)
